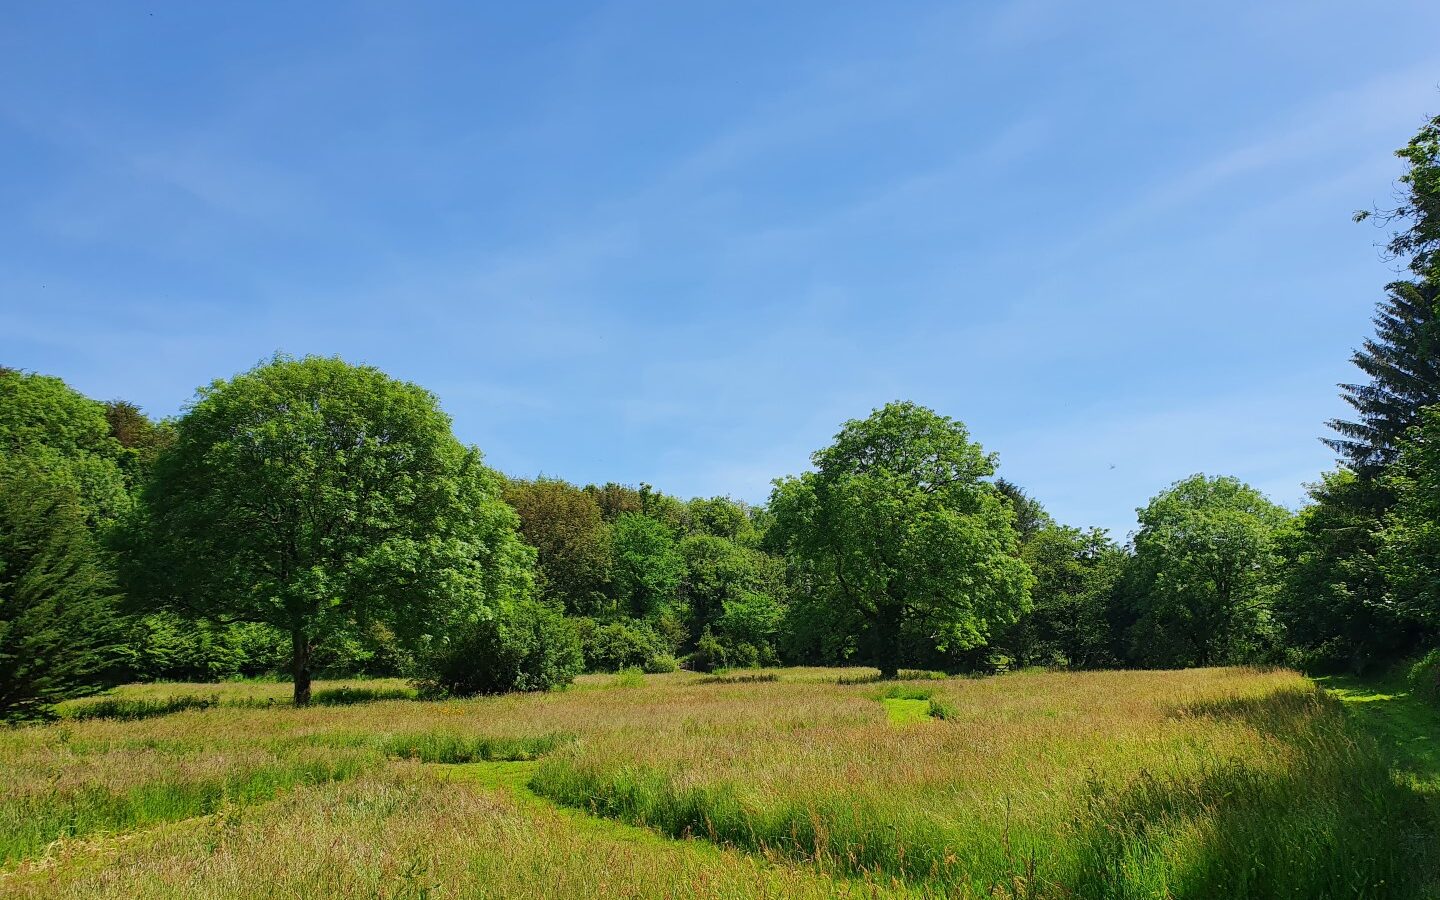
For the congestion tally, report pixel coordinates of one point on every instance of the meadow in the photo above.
(784, 783)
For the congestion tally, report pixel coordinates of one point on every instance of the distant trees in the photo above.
(902, 549)
(61, 490)
(319, 497)
(567, 528)
(1204, 572)
(64, 434)
(1333, 601)
(1075, 577)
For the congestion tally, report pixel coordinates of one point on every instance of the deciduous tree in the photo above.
(899, 541)
(318, 496)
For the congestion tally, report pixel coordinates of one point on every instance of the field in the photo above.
(791, 783)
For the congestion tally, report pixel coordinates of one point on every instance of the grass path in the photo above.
(906, 712)
(1405, 725)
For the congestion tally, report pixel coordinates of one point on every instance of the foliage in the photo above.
(48, 427)
(1424, 676)
(647, 565)
(165, 647)
(526, 646)
(1410, 553)
(319, 497)
(1205, 565)
(901, 550)
(1075, 576)
(622, 645)
(142, 439)
(1419, 207)
(1402, 361)
(721, 517)
(1030, 517)
(58, 625)
(566, 527)
(709, 654)
(1333, 601)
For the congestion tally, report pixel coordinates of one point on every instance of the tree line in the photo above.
(310, 516)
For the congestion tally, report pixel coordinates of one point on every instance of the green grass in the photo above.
(128, 710)
(453, 748)
(1405, 725)
(1195, 784)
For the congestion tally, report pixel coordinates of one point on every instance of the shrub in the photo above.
(620, 645)
(528, 646)
(346, 696)
(629, 678)
(709, 653)
(1424, 676)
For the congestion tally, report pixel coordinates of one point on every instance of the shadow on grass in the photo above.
(1326, 819)
(1404, 725)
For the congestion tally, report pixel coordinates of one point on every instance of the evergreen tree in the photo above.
(58, 628)
(1403, 362)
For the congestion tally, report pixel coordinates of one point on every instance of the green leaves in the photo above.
(1206, 563)
(317, 497)
(902, 550)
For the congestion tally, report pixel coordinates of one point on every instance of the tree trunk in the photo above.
(300, 665)
(890, 638)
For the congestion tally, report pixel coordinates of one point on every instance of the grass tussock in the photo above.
(452, 747)
(126, 709)
(750, 678)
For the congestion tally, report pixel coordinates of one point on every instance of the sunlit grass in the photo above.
(1203, 783)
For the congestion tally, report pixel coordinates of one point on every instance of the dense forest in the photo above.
(312, 517)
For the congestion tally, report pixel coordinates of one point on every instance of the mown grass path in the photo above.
(1404, 724)
(906, 712)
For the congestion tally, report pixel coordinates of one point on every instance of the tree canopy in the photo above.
(903, 549)
(1205, 561)
(317, 496)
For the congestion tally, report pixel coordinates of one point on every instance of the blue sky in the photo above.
(682, 242)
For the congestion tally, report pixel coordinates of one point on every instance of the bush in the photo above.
(660, 664)
(1424, 676)
(621, 645)
(709, 653)
(528, 646)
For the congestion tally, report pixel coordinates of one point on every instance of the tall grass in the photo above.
(402, 835)
(1201, 784)
(1205, 783)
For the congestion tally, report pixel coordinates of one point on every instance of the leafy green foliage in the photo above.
(317, 497)
(53, 429)
(1205, 566)
(621, 645)
(1410, 554)
(1419, 207)
(647, 565)
(526, 646)
(901, 548)
(58, 626)
(1075, 576)
(1333, 603)
(567, 528)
